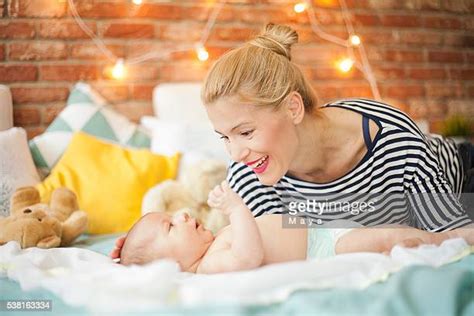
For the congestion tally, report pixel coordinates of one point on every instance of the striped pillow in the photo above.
(85, 111)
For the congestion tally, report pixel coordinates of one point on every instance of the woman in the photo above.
(286, 148)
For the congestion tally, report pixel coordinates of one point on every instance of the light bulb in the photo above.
(137, 2)
(345, 65)
(355, 40)
(118, 72)
(300, 7)
(202, 53)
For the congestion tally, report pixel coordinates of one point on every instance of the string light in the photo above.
(355, 40)
(300, 7)
(119, 71)
(201, 52)
(345, 65)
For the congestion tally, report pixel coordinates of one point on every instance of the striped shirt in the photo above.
(412, 178)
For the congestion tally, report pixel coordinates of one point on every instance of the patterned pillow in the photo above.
(85, 111)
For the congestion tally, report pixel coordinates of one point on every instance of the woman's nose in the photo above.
(238, 153)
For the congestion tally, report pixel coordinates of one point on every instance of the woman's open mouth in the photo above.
(261, 165)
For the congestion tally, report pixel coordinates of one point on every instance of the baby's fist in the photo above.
(222, 197)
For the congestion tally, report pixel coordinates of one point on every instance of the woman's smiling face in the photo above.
(262, 137)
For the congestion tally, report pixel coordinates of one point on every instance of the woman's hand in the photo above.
(222, 197)
(115, 253)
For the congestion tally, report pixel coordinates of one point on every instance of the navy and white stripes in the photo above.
(415, 179)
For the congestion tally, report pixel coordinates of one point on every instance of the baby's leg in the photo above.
(383, 239)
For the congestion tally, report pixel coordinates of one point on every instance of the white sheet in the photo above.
(85, 278)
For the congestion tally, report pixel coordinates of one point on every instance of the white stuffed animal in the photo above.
(190, 194)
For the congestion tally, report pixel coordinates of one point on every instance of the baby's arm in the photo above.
(246, 248)
(383, 239)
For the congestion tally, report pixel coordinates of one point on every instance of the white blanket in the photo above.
(85, 278)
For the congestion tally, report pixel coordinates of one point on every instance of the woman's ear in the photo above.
(295, 107)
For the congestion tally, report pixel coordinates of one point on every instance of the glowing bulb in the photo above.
(118, 72)
(355, 40)
(137, 2)
(346, 64)
(202, 53)
(300, 7)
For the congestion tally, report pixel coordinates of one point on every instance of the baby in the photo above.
(250, 242)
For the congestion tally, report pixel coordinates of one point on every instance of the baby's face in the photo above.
(179, 237)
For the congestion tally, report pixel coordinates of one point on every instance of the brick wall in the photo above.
(422, 51)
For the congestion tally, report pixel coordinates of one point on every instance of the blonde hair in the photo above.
(260, 72)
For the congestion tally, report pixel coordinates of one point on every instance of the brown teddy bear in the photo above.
(33, 224)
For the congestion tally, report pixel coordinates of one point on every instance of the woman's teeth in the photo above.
(261, 162)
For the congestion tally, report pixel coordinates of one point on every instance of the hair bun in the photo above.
(277, 38)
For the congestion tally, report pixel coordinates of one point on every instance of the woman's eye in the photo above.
(225, 138)
(247, 133)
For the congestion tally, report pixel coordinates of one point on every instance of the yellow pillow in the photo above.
(109, 180)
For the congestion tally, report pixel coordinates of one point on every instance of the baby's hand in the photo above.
(222, 197)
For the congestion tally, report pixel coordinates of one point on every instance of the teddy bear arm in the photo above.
(74, 226)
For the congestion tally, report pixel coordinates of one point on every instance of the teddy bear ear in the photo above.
(23, 197)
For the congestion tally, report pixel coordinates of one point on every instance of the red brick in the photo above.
(321, 73)
(26, 115)
(470, 90)
(34, 131)
(376, 37)
(11, 29)
(356, 90)
(134, 111)
(320, 54)
(458, 40)
(427, 73)
(142, 91)
(326, 91)
(112, 92)
(37, 8)
(63, 30)
(389, 72)
(38, 94)
(403, 90)
(183, 72)
(392, 5)
(420, 38)
(455, 6)
(442, 22)
(37, 50)
(469, 57)
(418, 109)
(233, 33)
(89, 9)
(435, 90)
(91, 51)
(159, 11)
(445, 57)
(11, 73)
(128, 30)
(179, 32)
(400, 55)
(401, 20)
(2, 52)
(50, 112)
(69, 72)
(462, 74)
(362, 19)
(430, 4)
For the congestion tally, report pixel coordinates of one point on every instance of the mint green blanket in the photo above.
(417, 290)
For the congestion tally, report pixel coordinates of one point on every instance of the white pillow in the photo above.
(16, 166)
(194, 142)
(180, 102)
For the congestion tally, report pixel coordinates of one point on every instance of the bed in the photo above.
(414, 290)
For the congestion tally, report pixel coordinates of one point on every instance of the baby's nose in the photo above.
(182, 217)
